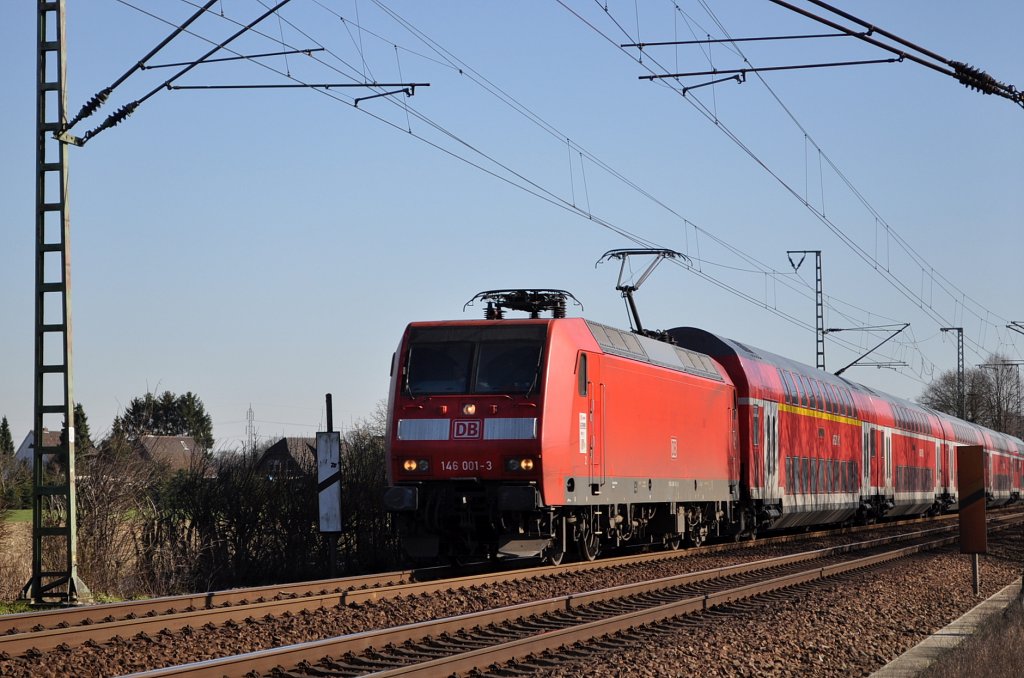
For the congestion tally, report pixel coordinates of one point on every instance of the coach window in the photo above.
(818, 403)
(850, 409)
(805, 390)
(840, 401)
(581, 375)
(787, 384)
(833, 398)
(755, 435)
(830, 401)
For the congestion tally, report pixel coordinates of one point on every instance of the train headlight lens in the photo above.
(526, 464)
(423, 465)
(512, 464)
(409, 465)
(469, 409)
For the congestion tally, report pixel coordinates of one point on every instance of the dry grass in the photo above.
(995, 651)
(15, 558)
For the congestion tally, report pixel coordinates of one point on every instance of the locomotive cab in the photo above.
(464, 440)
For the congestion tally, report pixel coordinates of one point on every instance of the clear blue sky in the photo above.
(267, 247)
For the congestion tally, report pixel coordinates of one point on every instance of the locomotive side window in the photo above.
(581, 375)
(439, 368)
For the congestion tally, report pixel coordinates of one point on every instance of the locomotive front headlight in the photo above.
(512, 464)
(423, 465)
(409, 465)
(526, 464)
(469, 409)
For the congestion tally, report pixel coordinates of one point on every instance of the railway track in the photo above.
(479, 640)
(72, 626)
(165, 620)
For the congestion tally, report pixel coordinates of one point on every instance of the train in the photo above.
(548, 436)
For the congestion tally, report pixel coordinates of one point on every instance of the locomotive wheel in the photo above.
(588, 542)
(554, 556)
(673, 541)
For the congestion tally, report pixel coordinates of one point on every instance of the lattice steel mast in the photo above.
(54, 568)
(819, 302)
(961, 390)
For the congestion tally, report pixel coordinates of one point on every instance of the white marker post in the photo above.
(328, 467)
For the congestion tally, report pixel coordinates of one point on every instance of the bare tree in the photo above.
(992, 395)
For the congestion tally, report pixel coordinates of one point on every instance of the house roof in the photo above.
(178, 453)
(302, 452)
(24, 452)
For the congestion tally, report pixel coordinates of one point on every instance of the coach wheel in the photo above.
(588, 542)
(673, 541)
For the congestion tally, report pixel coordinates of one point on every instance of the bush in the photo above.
(144, 530)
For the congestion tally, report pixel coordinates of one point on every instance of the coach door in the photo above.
(770, 451)
(887, 441)
(867, 456)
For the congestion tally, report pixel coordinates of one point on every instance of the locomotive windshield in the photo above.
(492, 359)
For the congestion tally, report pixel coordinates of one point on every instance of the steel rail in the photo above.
(195, 601)
(373, 588)
(49, 639)
(292, 655)
(552, 640)
(14, 623)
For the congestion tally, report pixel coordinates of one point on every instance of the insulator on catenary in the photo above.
(975, 78)
(113, 119)
(90, 107)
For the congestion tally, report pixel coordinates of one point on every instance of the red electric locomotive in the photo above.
(536, 436)
(543, 436)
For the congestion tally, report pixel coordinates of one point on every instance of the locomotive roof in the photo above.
(623, 343)
(646, 349)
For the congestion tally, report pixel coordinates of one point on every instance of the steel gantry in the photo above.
(54, 558)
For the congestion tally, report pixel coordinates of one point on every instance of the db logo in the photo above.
(467, 429)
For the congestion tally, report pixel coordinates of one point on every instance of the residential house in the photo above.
(289, 458)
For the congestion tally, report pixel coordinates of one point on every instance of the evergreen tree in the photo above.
(166, 414)
(83, 439)
(6, 440)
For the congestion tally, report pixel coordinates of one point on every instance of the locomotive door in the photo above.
(596, 408)
(770, 451)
